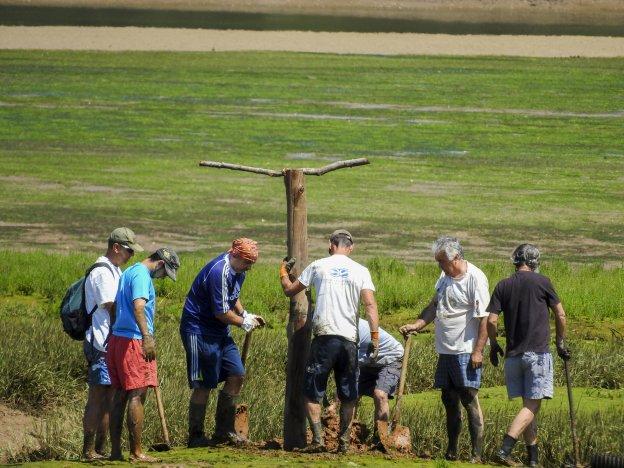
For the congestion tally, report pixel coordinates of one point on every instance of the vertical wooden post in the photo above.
(298, 330)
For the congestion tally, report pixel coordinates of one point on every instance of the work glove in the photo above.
(495, 350)
(149, 347)
(563, 351)
(286, 266)
(251, 321)
(373, 346)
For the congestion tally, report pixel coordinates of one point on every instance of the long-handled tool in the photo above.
(241, 420)
(575, 445)
(395, 436)
(165, 445)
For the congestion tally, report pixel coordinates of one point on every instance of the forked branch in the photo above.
(308, 171)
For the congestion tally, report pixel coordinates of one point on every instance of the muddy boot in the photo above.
(196, 416)
(533, 455)
(224, 421)
(345, 436)
(450, 399)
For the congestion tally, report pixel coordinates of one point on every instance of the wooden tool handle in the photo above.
(161, 414)
(246, 345)
(397, 406)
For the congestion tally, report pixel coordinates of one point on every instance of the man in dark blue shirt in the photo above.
(211, 306)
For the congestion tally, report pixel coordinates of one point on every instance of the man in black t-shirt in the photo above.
(524, 299)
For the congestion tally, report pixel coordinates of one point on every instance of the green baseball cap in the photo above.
(125, 237)
(171, 259)
(341, 233)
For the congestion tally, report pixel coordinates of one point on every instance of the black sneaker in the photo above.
(201, 441)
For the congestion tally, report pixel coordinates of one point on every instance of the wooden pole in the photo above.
(298, 329)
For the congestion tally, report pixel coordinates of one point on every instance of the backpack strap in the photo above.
(88, 272)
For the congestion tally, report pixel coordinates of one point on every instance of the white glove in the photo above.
(244, 314)
(250, 321)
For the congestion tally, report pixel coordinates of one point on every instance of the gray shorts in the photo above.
(529, 375)
(385, 378)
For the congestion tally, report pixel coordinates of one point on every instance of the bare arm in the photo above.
(560, 323)
(491, 328)
(231, 317)
(139, 315)
(291, 288)
(238, 307)
(427, 316)
(370, 306)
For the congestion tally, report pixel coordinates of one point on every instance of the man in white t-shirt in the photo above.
(459, 310)
(340, 284)
(100, 291)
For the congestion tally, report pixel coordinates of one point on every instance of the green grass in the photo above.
(90, 141)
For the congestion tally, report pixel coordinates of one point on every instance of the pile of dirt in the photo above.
(17, 431)
(331, 423)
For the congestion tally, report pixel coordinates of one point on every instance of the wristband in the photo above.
(374, 335)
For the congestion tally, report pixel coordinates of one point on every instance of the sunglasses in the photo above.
(128, 249)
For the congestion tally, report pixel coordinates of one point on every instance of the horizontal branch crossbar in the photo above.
(308, 171)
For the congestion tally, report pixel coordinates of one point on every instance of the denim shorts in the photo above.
(327, 353)
(385, 378)
(529, 375)
(455, 371)
(210, 360)
(97, 373)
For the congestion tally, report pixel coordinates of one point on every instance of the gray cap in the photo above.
(341, 233)
(125, 237)
(171, 259)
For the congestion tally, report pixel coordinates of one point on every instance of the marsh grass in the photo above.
(42, 371)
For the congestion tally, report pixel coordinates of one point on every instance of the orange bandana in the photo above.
(245, 248)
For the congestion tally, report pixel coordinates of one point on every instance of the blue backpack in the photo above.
(74, 315)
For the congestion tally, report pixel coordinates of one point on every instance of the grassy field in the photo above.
(494, 150)
(51, 385)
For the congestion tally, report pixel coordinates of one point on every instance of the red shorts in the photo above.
(127, 367)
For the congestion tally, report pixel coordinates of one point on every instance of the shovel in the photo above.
(166, 445)
(241, 420)
(393, 436)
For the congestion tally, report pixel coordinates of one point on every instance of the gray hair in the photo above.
(526, 254)
(449, 245)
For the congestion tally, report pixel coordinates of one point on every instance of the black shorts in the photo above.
(327, 353)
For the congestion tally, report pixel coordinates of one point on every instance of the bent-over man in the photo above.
(340, 285)
(212, 305)
(379, 378)
(524, 299)
(459, 311)
(100, 291)
(131, 355)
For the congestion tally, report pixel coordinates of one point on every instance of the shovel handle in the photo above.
(161, 415)
(575, 445)
(246, 345)
(397, 406)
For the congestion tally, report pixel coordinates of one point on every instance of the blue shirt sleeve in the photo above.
(141, 286)
(217, 290)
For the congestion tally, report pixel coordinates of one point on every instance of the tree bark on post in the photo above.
(298, 329)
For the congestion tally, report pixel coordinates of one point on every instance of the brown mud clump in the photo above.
(331, 423)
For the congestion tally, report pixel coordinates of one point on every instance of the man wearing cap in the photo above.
(340, 284)
(100, 291)
(131, 355)
(459, 310)
(379, 378)
(212, 305)
(524, 299)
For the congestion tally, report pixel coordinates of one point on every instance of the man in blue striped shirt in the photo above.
(211, 306)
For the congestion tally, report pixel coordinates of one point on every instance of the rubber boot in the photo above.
(344, 439)
(224, 421)
(317, 445)
(503, 456)
(533, 455)
(475, 424)
(196, 416)
(450, 400)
